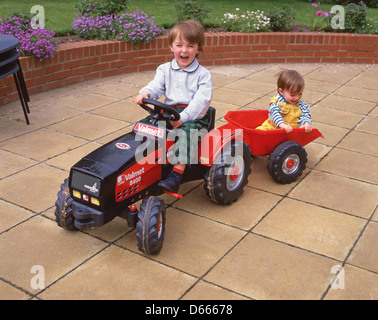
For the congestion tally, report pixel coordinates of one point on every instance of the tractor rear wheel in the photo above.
(226, 178)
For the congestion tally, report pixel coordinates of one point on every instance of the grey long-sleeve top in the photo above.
(192, 86)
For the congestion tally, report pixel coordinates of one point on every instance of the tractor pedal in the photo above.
(176, 195)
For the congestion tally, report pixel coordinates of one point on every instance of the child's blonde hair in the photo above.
(191, 31)
(290, 80)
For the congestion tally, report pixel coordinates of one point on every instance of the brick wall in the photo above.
(81, 61)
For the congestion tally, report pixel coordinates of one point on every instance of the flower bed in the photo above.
(39, 43)
(131, 27)
(94, 59)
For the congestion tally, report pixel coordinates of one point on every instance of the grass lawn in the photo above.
(60, 14)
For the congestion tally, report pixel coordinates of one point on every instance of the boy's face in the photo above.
(184, 52)
(289, 96)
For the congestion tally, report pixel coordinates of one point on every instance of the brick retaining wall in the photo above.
(86, 60)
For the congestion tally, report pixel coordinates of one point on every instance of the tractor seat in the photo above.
(211, 124)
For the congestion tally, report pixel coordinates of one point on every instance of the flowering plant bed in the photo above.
(40, 43)
(131, 27)
(248, 21)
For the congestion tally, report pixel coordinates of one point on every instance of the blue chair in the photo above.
(10, 64)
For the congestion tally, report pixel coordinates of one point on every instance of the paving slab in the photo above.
(351, 164)
(346, 104)
(315, 238)
(120, 274)
(356, 284)
(365, 254)
(361, 142)
(36, 242)
(87, 126)
(262, 268)
(328, 189)
(186, 236)
(11, 163)
(33, 188)
(42, 144)
(310, 227)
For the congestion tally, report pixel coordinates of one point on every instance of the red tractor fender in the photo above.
(215, 140)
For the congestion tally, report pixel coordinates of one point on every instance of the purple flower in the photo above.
(133, 27)
(40, 43)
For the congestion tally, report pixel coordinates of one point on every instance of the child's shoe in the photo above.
(172, 183)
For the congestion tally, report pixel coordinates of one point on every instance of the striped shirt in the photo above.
(275, 111)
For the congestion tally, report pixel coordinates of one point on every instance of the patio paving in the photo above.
(275, 242)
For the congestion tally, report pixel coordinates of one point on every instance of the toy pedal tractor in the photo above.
(109, 181)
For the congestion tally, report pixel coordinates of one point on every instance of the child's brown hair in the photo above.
(191, 31)
(290, 80)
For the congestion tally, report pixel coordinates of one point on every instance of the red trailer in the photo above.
(287, 157)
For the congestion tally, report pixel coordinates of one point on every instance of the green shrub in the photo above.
(193, 10)
(355, 19)
(281, 19)
(368, 3)
(100, 7)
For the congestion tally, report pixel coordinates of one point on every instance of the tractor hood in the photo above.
(114, 156)
(112, 173)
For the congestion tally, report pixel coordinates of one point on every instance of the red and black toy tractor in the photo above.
(110, 181)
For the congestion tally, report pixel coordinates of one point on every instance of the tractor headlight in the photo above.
(77, 194)
(95, 201)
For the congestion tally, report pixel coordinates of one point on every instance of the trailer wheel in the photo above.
(151, 225)
(226, 178)
(63, 208)
(287, 162)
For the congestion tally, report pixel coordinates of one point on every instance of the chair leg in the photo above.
(24, 92)
(24, 108)
(22, 83)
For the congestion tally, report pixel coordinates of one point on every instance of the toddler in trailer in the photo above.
(188, 88)
(287, 110)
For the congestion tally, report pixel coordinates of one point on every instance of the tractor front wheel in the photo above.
(151, 225)
(63, 208)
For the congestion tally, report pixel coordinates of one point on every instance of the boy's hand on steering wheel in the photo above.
(176, 124)
(140, 97)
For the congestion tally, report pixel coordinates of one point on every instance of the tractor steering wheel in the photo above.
(157, 114)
